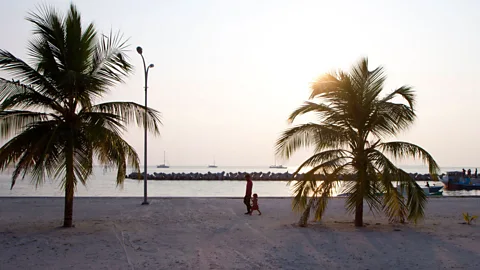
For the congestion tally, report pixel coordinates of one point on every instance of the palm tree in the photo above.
(48, 114)
(353, 120)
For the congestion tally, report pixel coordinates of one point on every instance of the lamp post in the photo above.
(145, 69)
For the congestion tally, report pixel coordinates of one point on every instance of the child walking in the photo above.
(255, 204)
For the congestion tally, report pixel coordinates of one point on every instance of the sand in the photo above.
(214, 233)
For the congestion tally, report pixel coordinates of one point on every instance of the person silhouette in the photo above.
(248, 194)
(255, 204)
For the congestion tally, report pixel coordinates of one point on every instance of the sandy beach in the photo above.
(213, 233)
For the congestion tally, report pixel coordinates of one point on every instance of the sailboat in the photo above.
(277, 166)
(213, 166)
(164, 165)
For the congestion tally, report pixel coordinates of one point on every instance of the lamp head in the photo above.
(139, 50)
(151, 66)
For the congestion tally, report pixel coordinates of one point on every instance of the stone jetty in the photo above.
(240, 176)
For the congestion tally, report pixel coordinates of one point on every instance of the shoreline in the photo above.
(206, 233)
(105, 187)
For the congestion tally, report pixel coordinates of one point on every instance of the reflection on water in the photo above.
(102, 183)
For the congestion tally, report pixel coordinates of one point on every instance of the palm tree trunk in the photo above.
(68, 214)
(359, 213)
(362, 181)
(69, 187)
(303, 222)
(359, 202)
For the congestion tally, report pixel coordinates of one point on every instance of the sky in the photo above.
(228, 73)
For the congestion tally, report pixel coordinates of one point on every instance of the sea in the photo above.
(102, 184)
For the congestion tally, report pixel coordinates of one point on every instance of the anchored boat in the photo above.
(457, 180)
(275, 166)
(164, 165)
(213, 165)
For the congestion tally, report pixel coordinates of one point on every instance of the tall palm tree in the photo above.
(353, 120)
(48, 113)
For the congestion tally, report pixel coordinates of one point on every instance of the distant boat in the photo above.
(434, 189)
(457, 180)
(213, 166)
(277, 166)
(428, 190)
(164, 165)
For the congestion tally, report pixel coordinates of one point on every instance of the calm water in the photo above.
(102, 183)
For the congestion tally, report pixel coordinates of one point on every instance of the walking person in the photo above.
(248, 193)
(255, 204)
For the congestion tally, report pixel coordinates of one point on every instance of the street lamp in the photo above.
(145, 69)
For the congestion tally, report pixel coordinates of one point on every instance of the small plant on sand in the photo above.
(469, 219)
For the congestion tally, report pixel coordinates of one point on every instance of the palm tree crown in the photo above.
(48, 116)
(353, 120)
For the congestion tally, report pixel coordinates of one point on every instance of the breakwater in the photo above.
(258, 176)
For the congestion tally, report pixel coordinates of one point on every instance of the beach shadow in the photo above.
(380, 246)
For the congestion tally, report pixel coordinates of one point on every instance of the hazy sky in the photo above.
(228, 73)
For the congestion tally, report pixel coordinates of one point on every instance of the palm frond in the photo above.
(82, 156)
(305, 199)
(311, 134)
(26, 74)
(15, 121)
(416, 201)
(324, 192)
(404, 149)
(367, 84)
(311, 196)
(374, 85)
(30, 150)
(327, 160)
(79, 44)
(131, 111)
(310, 107)
(406, 92)
(109, 62)
(110, 121)
(112, 150)
(416, 197)
(302, 189)
(325, 86)
(16, 95)
(394, 205)
(390, 118)
(363, 190)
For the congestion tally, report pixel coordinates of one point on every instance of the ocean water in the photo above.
(102, 184)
